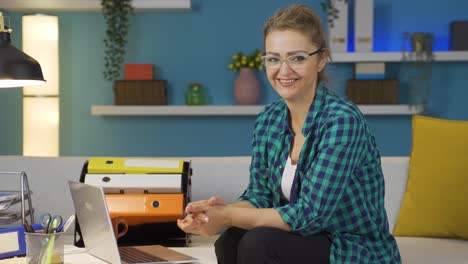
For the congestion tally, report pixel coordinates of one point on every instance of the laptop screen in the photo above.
(95, 223)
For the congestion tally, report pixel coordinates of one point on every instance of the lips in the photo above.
(287, 82)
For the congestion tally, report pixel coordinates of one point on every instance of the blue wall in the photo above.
(196, 46)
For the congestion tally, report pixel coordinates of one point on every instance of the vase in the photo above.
(246, 87)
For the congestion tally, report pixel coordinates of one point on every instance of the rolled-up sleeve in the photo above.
(323, 183)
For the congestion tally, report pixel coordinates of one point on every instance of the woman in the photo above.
(316, 190)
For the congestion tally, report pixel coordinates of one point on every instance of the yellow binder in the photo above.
(134, 165)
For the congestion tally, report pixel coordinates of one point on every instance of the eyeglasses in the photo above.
(296, 61)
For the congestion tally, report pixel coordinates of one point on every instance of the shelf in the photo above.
(439, 56)
(228, 110)
(400, 109)
(176, 110)
(89, 5)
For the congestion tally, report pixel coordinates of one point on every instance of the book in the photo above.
(338, 29)
(363, 25)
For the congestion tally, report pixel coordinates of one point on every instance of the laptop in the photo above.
(98, 235)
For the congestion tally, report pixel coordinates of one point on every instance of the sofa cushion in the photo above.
(418, 250)
(435, 199)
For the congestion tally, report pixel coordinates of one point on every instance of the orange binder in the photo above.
(146, 208)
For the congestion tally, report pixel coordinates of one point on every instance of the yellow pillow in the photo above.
(436, 198)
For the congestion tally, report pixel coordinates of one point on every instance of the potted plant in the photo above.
(330, 9)
(246, 85)
(117, 16)
(417, 65)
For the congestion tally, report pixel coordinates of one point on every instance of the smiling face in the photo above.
(294, 84)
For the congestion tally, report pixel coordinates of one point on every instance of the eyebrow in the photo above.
(288, 54)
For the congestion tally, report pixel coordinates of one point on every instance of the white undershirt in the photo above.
(288, 178)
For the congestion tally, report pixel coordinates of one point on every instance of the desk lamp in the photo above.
(17, 69)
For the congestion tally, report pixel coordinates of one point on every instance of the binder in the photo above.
(363, 25)
(137, 183)
(133, 165)
(338, 34)
(149, 193)
(143, 208)
(12, 241)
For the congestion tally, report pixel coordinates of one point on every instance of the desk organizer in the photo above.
(149, 194)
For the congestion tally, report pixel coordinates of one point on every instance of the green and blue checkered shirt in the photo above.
(338, 187)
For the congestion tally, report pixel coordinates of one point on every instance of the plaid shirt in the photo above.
(338, 187)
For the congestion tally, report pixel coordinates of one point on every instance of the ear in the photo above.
(325, 56)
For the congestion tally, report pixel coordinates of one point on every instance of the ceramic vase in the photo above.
(246, 87)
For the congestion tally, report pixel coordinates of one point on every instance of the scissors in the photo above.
(51, 223)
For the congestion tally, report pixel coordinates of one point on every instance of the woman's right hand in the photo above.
(214, 200)
(200, 216)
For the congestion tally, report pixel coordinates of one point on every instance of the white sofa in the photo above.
(226, 177)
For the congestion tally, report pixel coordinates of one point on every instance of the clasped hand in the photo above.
(205, 217)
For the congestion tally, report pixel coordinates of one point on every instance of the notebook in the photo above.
(98, 236)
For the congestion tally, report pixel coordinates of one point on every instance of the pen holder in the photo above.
(44, 248)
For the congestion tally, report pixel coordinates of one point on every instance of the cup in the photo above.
(120, 227)
(44, 248)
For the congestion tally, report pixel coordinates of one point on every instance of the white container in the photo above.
(338, 34)
(363, 25)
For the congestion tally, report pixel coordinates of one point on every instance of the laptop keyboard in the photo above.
(134, 255)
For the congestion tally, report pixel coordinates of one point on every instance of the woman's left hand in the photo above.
(218, 220)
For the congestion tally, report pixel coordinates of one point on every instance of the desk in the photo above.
(202, 249)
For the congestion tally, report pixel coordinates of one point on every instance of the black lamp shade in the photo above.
(16, 67)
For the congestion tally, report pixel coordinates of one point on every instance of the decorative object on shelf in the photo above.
(117, 16)
(421, 43)
(337, 11)
(138, 71)
(246, 85)
(333, 13)
(140, 92)
(416, 69)
(459, 35)
(363, 25)
(195, 95)
(252, 61)
(369, 71)
(372, 91)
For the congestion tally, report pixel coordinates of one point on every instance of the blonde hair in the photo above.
(302, 19)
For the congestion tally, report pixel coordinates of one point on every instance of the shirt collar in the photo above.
(314, 109)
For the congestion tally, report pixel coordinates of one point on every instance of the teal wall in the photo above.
(196, 46)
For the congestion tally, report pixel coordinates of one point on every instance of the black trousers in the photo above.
(272, 246)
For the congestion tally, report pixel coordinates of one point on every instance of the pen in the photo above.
(67, 224)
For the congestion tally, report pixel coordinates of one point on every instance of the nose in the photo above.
(284, 67)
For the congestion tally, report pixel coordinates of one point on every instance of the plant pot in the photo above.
(422, 42)
(246, 87)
